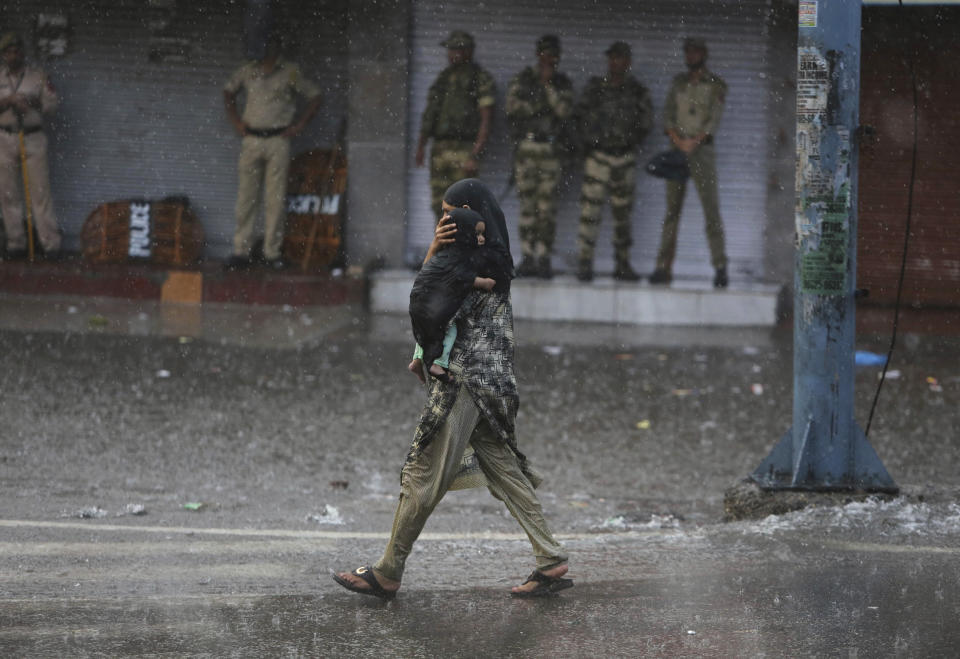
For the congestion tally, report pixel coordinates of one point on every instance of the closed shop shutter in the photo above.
(737, 35)
(131, 127)
(893, 37)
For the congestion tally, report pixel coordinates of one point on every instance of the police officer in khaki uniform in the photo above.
(269, 120)
(691, 114)
(457, 118)
(539, 99)
(26, 95)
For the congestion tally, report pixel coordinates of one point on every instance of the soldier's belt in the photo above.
(616, 151)
(26, 129)
(706, 140)
(540, 137)
(266, 132)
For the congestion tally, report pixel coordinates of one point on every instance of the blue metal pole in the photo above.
(825, 449)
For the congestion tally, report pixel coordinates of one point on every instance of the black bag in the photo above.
(671, 165)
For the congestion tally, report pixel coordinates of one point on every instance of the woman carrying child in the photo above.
(477, 406)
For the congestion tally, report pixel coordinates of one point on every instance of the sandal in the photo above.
(545, 585)
(366, 573)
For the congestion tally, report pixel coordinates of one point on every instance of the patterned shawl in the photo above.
(482, 359)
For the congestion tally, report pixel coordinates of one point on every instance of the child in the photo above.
(444, 283)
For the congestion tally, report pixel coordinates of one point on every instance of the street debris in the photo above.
(97, 321)
(865, 358)
(163, 373)
(934, 384)
(195, 505)
(643, 425)
(757, 389)
(636, 521)
(339, 485)
(90, 512)
(134, 509)
(330, 515)
(553, 351)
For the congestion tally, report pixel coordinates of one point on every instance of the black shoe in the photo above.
(544, 270)
(278, 264)
(585, 271)
(528, 267)
(661, 276)
(720, 280)
(236, 262)
(624, 272)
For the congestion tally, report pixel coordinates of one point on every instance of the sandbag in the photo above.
(164, 232)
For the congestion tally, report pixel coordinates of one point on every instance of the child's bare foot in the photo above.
(438, 372)
(416, 367)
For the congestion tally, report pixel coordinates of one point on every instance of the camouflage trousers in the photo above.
(606, 174)
(447, 158)
(537, 169)
(703, 171)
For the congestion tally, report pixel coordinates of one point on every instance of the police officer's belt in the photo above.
(266, 132)
(26, 129)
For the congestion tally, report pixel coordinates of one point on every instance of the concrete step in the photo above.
(564, 298)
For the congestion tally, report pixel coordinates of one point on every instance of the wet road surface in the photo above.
(287, 431)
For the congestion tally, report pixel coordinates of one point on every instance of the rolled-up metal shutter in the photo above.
(132, 126)
(506, 32)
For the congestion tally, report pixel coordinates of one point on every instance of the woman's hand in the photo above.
(442, 236)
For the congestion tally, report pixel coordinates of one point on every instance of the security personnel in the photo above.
(26, 95)
(614, 116)
(691, 114)
(538, 99)
(266, 126)
(457, 118)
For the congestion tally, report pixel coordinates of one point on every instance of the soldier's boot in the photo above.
(661, 276)
(624, 272)
(528, 267)
(720, 279)
(544, 269)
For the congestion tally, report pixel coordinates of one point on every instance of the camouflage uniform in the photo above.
(535, 112)
(693, 109)
(452, 119)
(613, 121)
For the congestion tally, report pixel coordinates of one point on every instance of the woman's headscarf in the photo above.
(475, 194)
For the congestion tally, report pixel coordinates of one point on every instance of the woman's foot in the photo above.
(416, 367)
(531, 585)
(385, 588)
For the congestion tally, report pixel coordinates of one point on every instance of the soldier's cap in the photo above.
(458, 39)
(8, 39)
(548, 43)
(694, 42)
(619, 49)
